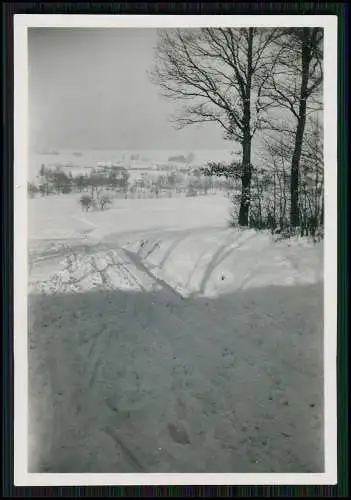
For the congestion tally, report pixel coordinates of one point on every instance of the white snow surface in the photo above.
(161, 340)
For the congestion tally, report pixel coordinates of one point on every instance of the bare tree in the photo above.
(85, 202)
(104, 200)
(296, 85)
(312, 181)
(277, 158)
(219, 75)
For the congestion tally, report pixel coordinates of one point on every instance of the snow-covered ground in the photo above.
(163, 341)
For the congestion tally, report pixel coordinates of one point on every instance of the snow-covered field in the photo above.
(163, 341)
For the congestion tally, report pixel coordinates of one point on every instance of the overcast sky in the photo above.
(88, 88)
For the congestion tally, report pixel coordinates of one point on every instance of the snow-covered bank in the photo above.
(215, 262)
(185, 242)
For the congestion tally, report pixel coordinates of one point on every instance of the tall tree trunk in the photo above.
(300, 129)
(246, 143)
(245, 182)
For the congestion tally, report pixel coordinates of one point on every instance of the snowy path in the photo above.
(133, 377)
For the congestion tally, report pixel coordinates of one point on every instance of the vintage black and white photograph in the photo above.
(175, 191)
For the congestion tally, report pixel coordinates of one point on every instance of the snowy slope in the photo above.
(216, 262)
(162, 341)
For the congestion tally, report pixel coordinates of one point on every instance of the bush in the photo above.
(86, 202)
(32, 190)
(191, 191)
(104, 201)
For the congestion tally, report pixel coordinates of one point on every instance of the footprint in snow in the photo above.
(178, 433)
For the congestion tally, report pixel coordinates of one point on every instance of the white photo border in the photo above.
(21, 24)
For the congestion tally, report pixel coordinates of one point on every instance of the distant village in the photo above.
(135, 162)
(133, 176)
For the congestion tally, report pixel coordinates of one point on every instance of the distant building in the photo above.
(107, 168)
(177, 159)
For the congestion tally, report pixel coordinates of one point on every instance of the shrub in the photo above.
(32, 190)
(104, 201)
(86, 202)
(191, 191)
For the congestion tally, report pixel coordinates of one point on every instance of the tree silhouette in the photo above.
(219, 75)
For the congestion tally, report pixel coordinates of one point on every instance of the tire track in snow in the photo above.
(118, 260)
(131, 457)
(139, 264)
(187, 334)
(98, 345)
(220, 255)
